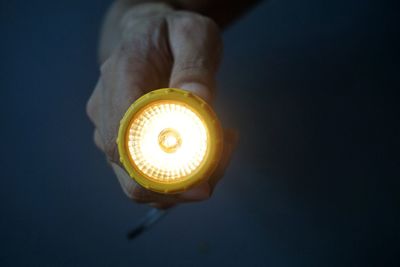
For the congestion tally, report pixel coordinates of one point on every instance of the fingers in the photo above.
(127, 183)
(98, 140)
(198, 193)
(196, 49)
(151, 55)
(142, 195)
(138, 193)
(132, 70)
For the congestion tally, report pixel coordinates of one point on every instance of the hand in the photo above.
(159, 48)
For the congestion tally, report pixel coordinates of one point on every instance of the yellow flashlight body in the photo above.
(170, 140)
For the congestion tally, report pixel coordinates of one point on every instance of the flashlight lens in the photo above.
(167, 141)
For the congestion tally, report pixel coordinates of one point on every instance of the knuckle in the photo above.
(111, 149)
(106, 66)
(90, 108)
(209, 24)
(92, 105)
(137, 38)
(185, 22)
(97, 140)
(189, 21)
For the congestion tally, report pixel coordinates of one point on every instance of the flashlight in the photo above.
(169, 140)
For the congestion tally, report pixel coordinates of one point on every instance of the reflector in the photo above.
(169, 140)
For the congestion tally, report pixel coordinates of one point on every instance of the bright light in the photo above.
(167, 141)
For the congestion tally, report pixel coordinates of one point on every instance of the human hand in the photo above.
(159, 48)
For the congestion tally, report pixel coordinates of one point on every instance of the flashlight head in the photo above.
(169, 140)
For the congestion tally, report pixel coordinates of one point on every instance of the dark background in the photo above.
(310, 84)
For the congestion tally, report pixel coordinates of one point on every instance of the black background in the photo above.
(311, 85)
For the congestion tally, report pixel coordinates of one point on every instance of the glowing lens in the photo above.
(167, 141)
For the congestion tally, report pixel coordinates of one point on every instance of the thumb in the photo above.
(196, 48)
(199, 89)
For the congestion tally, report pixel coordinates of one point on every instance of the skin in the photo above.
(146, 46)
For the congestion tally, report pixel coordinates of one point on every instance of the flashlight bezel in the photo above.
(206, 115)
